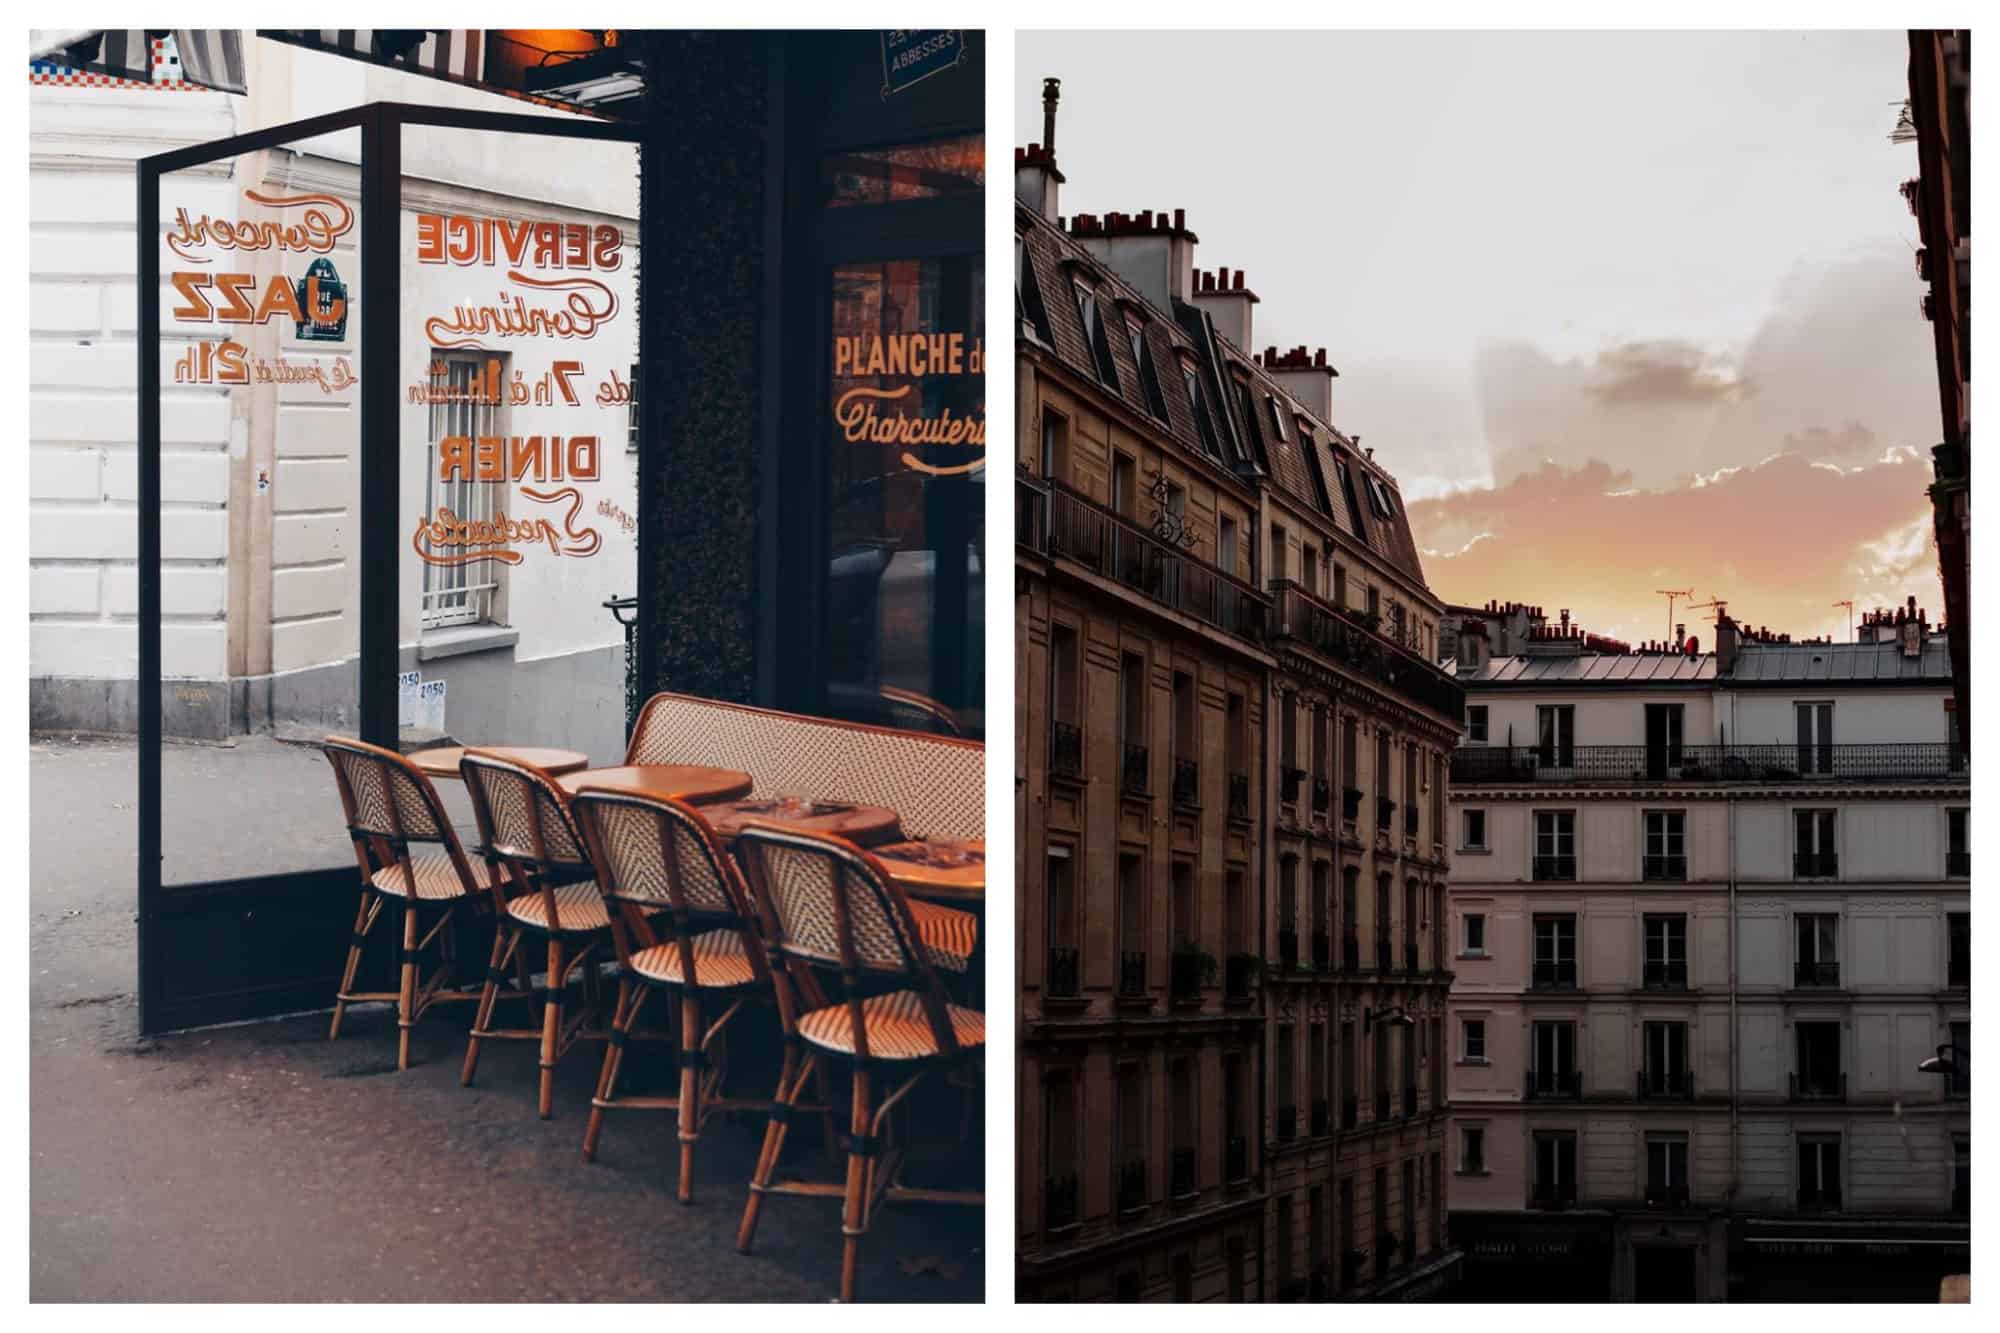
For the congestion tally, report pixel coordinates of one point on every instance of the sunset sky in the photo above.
(1622, 312)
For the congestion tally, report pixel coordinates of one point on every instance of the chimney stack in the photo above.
(1306, 376)
(1229, 303)
(1727, 641)
(1037, 182)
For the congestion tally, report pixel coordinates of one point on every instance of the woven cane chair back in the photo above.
(384, 794)
(522, 814)
(655, 853)
(827, 905)
(935, 784)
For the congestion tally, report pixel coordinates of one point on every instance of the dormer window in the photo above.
(1378, 496)
(1198, 404)
(1277, 417)
(1149, 380)
(1093, 333)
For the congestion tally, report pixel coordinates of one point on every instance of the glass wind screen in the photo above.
(519, 482)
(260, 332)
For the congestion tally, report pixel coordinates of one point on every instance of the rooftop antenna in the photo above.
(1849, 604)
(1719, 605)
(1673, 595)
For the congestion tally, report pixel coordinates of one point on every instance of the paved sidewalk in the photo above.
(262, 1162)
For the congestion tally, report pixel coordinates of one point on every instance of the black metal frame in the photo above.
(267, 912)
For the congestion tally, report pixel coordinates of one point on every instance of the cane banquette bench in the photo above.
(937, 784)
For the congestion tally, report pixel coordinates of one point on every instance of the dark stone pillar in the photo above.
(703, 208)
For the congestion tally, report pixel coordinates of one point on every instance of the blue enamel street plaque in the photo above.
(911, 55)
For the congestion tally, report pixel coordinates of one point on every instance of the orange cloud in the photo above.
(1780, 540)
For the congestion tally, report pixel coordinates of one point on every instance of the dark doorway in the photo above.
(1663, 1274)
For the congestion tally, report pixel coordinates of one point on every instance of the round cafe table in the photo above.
(442, 762)
(946, 870)
(863, 824)
(694, 783)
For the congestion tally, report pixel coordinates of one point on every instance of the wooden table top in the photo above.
(864, 824)
(692, 783)
(442, 762)
(950, 870)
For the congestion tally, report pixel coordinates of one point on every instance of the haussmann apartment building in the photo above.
(1233, 746)
(1710, 924)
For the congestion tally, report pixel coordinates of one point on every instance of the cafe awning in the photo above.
(209, 57)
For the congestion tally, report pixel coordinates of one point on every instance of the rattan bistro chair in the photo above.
(546, 890)
(392, 811)
(829, 905)
(657, 855)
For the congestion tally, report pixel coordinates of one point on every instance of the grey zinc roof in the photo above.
(1780, 663)
(1644, 669)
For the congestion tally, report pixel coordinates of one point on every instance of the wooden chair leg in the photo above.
(361, 924)
(774, 1140)
(854, 1206)
(552, 1017)
(690, 1112)
(406, 999)
(631, 999)
(488, 996)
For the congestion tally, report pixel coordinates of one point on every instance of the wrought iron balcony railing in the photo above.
(1064, 974)
(1816, 865)
(1548, 975)
(1187, 783)
(1132, 773)
(1112, 547)
(1350, 804)
(1675, 1085)
(1132, 972)
(1031, 512)
(1560, 1194)
(1666, 974)
(1819, 1088)
(1807, 975)
(1911, 761)
(1554, 1085)
(1340, 636)
(1066, 749)
(1664, 868)
(1239, 796)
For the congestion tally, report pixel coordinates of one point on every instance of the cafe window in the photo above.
(1555, 1167)
(905, 614)
(462, 407)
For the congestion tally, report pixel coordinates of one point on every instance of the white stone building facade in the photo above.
(1709, 914)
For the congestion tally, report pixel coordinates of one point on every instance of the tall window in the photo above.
(1666, 845)
(1340, 586)
(1666, 952)
(1472, 1150)
(1666, 1169)
(1472, 1040)
(1961, 1059)
(1350, 761)
(466, 594)
(1475, 934)
(1555, 731)
(1225, 544)
(1132, 722)
(1815, 849)
(1287, 1101)
(1055, 446)
(1124, 484)
(1958, 950)
(1131, 926)
(1410, 913)
(1555, 1168)
(1958, 843)
(1383, 910)
(1555, 950)
(1472, 829)
(1819, 1171)
(1666, 1070)
(1059, 1115)
(1555, 844)
(1818, 1074)
(1663, 739)
(1131, 1152)
(1277, 569)
(1816, 949)
(1815, 728)
(1554, 1072)
(1183, 906)
(1063, 974)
